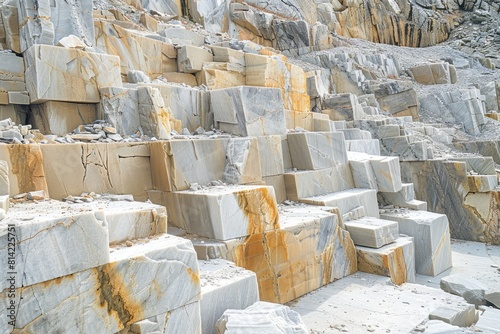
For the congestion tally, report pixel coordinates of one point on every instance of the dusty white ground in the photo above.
(365, 303)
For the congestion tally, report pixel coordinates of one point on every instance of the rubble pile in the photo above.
(185, 167)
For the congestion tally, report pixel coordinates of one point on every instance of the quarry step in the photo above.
(372, 232)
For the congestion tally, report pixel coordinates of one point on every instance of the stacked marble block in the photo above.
(13, 94)
(101, 286)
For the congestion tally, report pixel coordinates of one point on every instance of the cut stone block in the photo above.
(372, 232)
(368, 146)
(129, 220)
(482, 183)
(461, 285)
(308, 183)
(235, 59)
(406, 194)
(35, 26)
(457, 317)
(489, 321)
(225, 212)
(82, 72)
(271, 157)
(348, 200)
(19, 98)
(249, 111)
(404, 148)
(183, 36)
(342, 107)
(119, 108)
(107, 298)
(432, 239)
(11, 67)
(11, 25)
(375, 172)
(480, 165)
(154, 118)
(261, 317)
(396, 260)
(434, 73)
(317, 150)
(60, 118)
(52, 234)
(219, 78)
(224, 286)
(362, 173)
(278, 183)
(115, 168)
(190, 58)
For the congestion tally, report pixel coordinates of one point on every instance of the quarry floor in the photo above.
(366, 303)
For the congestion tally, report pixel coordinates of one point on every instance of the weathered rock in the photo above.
(261, 316)
(190, 58)
(396, 260)
(434, 73)
(224, 286)
(461, 285)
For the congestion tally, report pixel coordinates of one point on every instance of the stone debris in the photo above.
(461, 318)
(471, 289)
(261, 316)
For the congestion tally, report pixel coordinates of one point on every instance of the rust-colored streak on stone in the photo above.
(397, 266)
(27, 165)
(195, 277)
(260, 208)
(114, 297)
(349, 250)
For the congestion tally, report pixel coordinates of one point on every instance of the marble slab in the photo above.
(461, 285)
(489, 321)
(224, 286)
(83, 72)
(51, 231)
(465, 317)
(348, 200)
(432, 239)
(225, 212)
(308, 183)
(107, 298)
(396, 260)
(372, 232)
(261, 317)
(249, 111)
(317, 150)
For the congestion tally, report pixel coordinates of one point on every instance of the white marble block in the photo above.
(139, 282)
(53, 239)
(261, 317)
(11, 67)
(190, 58)
(432, 239)
(462, 285)
(317, 150)
(383, 171)
(129, 220)
(271, 157)
(82, 72)
(242, 161)
(396, 260)
(225, 212)
(249, 111)
(372, 232)
(119, 108)
(224, 286)
(482, 183)
(35, 26)
(489, 321)
(368, 146)
(154, 118)
(348, 200)
(308, 183)
(464, 317)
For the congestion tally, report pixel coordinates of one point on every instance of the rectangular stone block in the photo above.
(224, 286)
(372, 232)
(188, 105)
(11, 67)
(82, 72)
(154, 118)
(21, 98)
(342, 107)
(107, 298)
(136, 51)
(116, 168)
(235, 59)
(482, 183)
(465, 317)
(368, 146)
(190, 58)
(302, 184)
(215, 78)
(119, 108)
(224, 212)
(60, 118)
(248, 111)
(431, 236)
(396, 260)
(35, 26)
(271, 157)
(488, 321)
(278, 183)
(70, 239)
(348, 200)
(317, 150)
